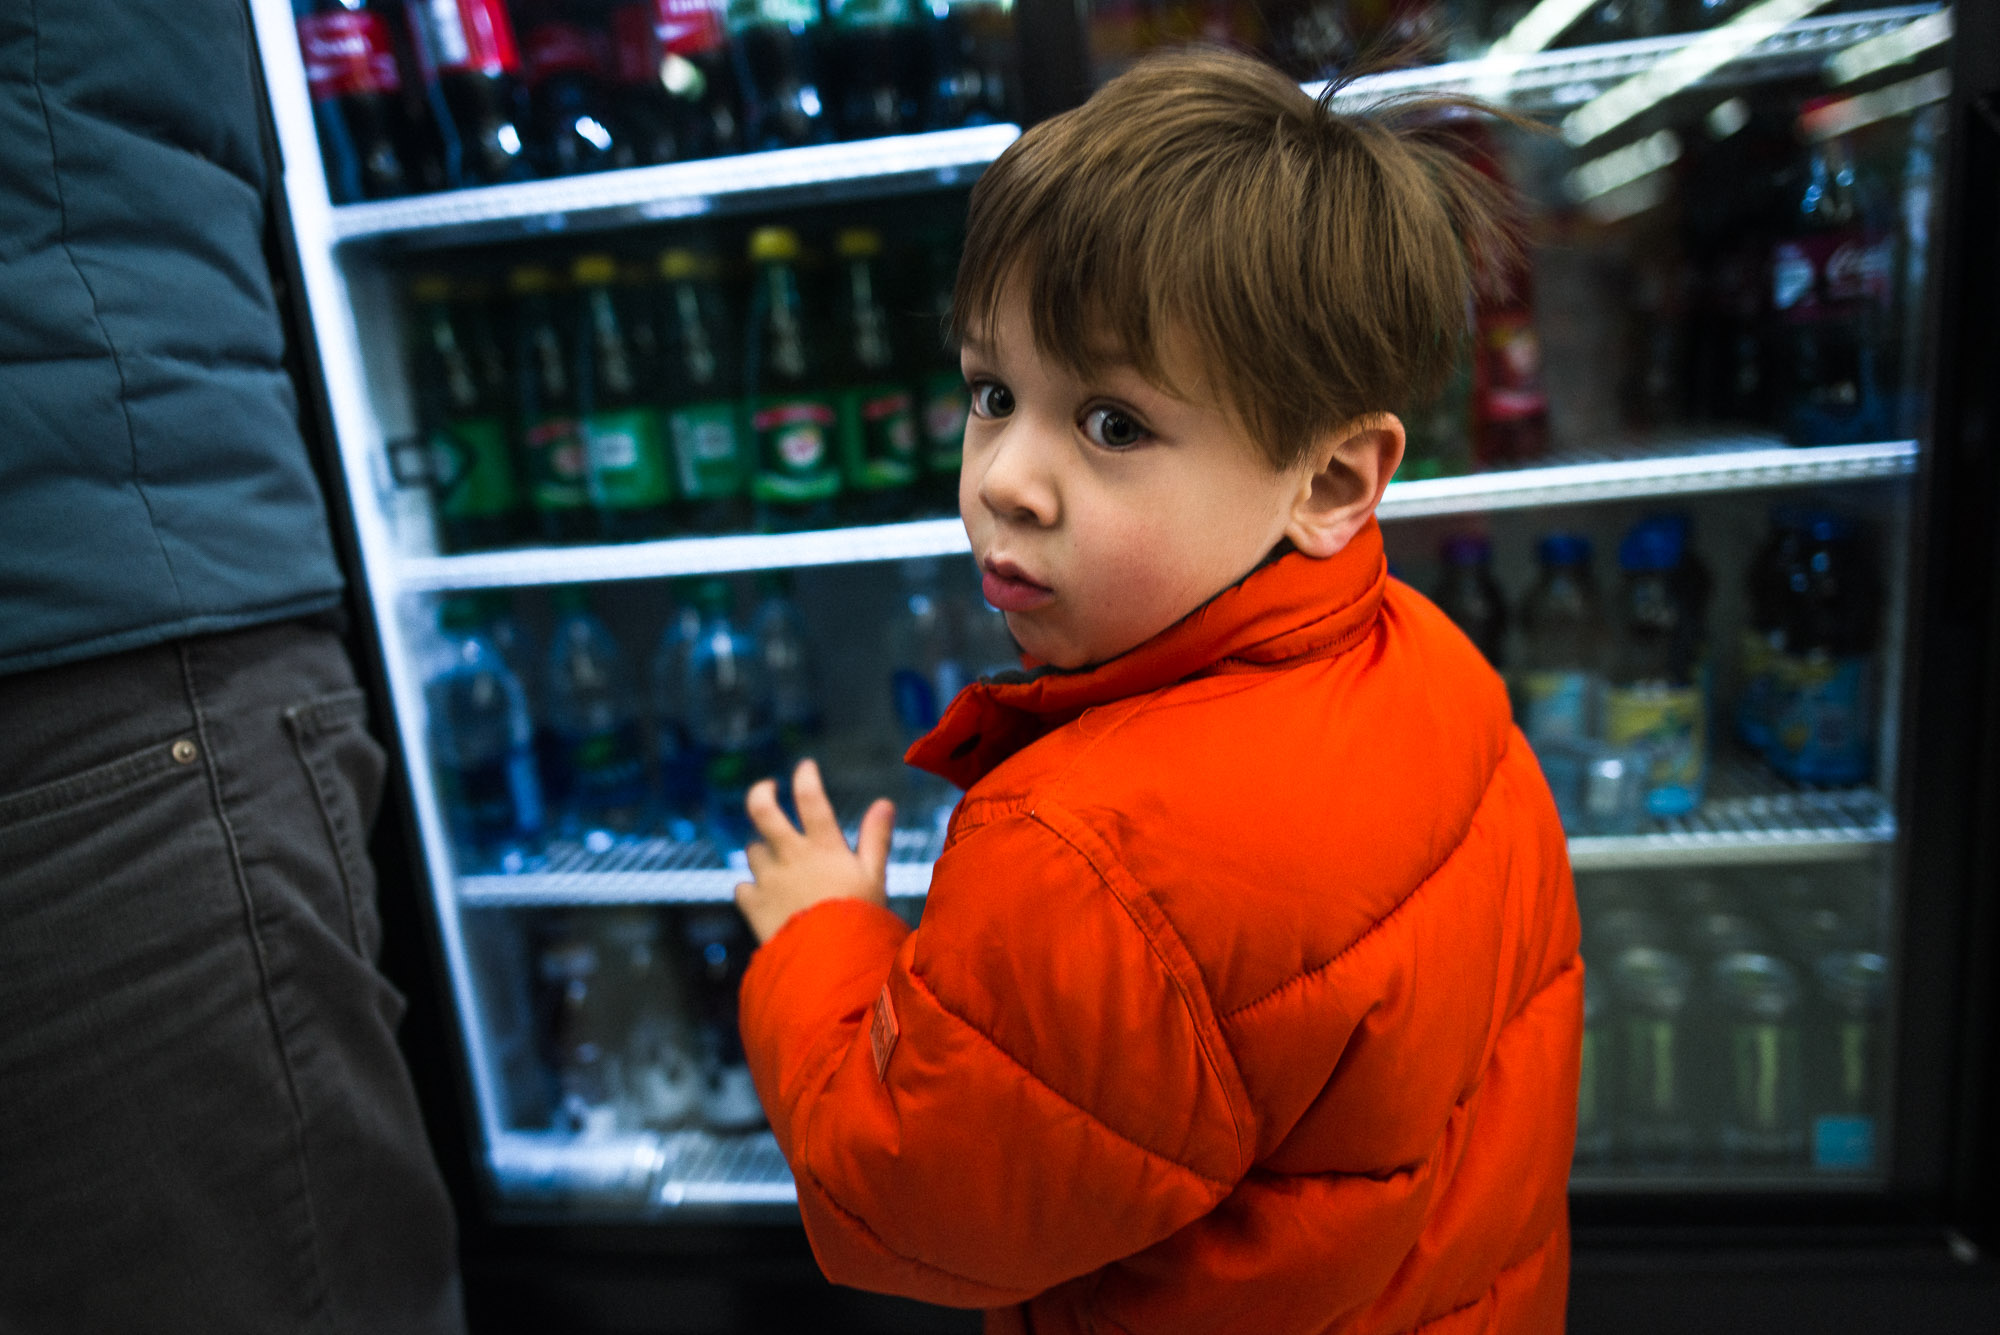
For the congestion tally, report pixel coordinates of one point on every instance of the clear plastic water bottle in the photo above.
(481, 743)
(780, 632)
(1656, 1122)
(928, 670)
(676, 755)
(728, 712)
(645, 994)
(579, 1043)
(1762, 1118)
(1658, 699)
(720, 946)
(599, 781)
(1562, 640)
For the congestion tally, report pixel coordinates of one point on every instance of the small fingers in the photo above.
(878, 826)
(761, 802)
(815, 811)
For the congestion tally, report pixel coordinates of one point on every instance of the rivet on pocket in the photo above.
(184, 751)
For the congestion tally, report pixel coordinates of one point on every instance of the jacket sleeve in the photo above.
(1026, 1088)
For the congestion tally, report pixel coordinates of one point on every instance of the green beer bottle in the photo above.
(460, 411)
(631, 483)
(878, 417)
(792, 417)
(942, 400)
(699, 381)
(550, 434)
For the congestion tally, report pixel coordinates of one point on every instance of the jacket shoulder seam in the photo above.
(917, 980)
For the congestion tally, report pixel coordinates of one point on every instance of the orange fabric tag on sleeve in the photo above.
(883, 1032)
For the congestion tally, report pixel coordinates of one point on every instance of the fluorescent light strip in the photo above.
(1538, 27)
(1878, 53)
(1689, 65)
(1625, 165)
(1897, 99)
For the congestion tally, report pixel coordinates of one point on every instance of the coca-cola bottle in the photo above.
(365, 133)
(1510, 405)
(777, 53)
(971, 72)
(571, 125)
(875, 71)
(676, 84)
(470, 65)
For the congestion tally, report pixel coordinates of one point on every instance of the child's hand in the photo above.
(796, 869)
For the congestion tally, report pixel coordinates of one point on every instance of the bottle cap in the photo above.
(460, 613)
(594, 269)
(1827, 526)
(1653, 544)
(430, 287)
(1564, 549)
(858, 243)
(681, 262)
(530, 278)
(715, 597)
(774, 245)
(1467, 549)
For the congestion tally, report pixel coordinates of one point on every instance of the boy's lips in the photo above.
(1008, 588)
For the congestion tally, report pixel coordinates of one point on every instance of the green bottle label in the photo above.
(878, 437)
(628, 460)
(795, 463)
(474, 476)
(946, 406)
(708, 458)
(558, 471)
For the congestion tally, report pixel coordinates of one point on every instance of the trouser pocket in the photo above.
(345, 767)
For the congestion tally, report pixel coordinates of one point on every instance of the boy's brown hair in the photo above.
(1320, 265)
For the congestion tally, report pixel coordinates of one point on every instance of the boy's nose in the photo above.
(1018, 484)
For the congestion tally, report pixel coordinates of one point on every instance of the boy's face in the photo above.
(1101, 512)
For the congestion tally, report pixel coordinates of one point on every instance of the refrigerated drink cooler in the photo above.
(648, 475)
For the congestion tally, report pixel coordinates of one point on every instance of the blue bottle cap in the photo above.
(1563, 549)
(1653, 544)
(1467, 549)
(1827, 526)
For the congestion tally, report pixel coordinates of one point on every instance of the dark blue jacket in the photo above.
(153, 482)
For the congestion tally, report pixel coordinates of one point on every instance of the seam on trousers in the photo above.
(308, 724)
(318, 1306)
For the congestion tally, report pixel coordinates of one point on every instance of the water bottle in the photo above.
(780, 633)
(577, 1035)
(677, 757)
(720, 947)
(928, 671)
(481, 743)
(728, 711)
(1658, 700)
(599, 780)
(645, 998)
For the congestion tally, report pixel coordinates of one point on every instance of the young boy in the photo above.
(1247, 994)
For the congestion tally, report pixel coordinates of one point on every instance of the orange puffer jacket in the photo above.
(1246, 998)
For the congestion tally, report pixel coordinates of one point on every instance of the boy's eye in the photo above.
(991, 400)
(1112, 428)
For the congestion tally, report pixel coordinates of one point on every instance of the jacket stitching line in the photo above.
(97, 314)
(877, 1238)
(917, 981)
(1166, 965)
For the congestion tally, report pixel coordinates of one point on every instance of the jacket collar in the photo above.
(1287, 611)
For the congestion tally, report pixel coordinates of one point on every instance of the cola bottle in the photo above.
(631, 480)
(792, 417)
(971, 74)
(470, 65)
(677, 86)
(547, 415)
(877, 414)
(365, 133)
(571, 125)
(874, 75)
(1510, 405)
(699, 380)
(777, 44)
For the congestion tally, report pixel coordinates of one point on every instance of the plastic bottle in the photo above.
(599, 785)
(1823, 700)
(720, 946)
(780, 633)
(481, 745)
(942, 400)
(580, 1043)
(677, 88)
(1468, 594)
(1656, 699)
(879, 454)
(630, 474)
(792, 416)
(554, 458)
(875, 74)
(777, 46)
(728, 713)
(471, 68)
(1763, 1118)
(572, 124)
(1767, 582)
(1562, 642)
(699, 382)
(359, 104)
(644, 988)
(676, 755)
(971, 65)
(478, 495)
(928, 671)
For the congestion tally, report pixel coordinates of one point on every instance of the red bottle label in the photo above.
(688, 27)
(347, 53)
(473, 35)
(560, 48)
(1823, 275)
(635, 51)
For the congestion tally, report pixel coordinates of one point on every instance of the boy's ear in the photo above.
(1341, 482)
